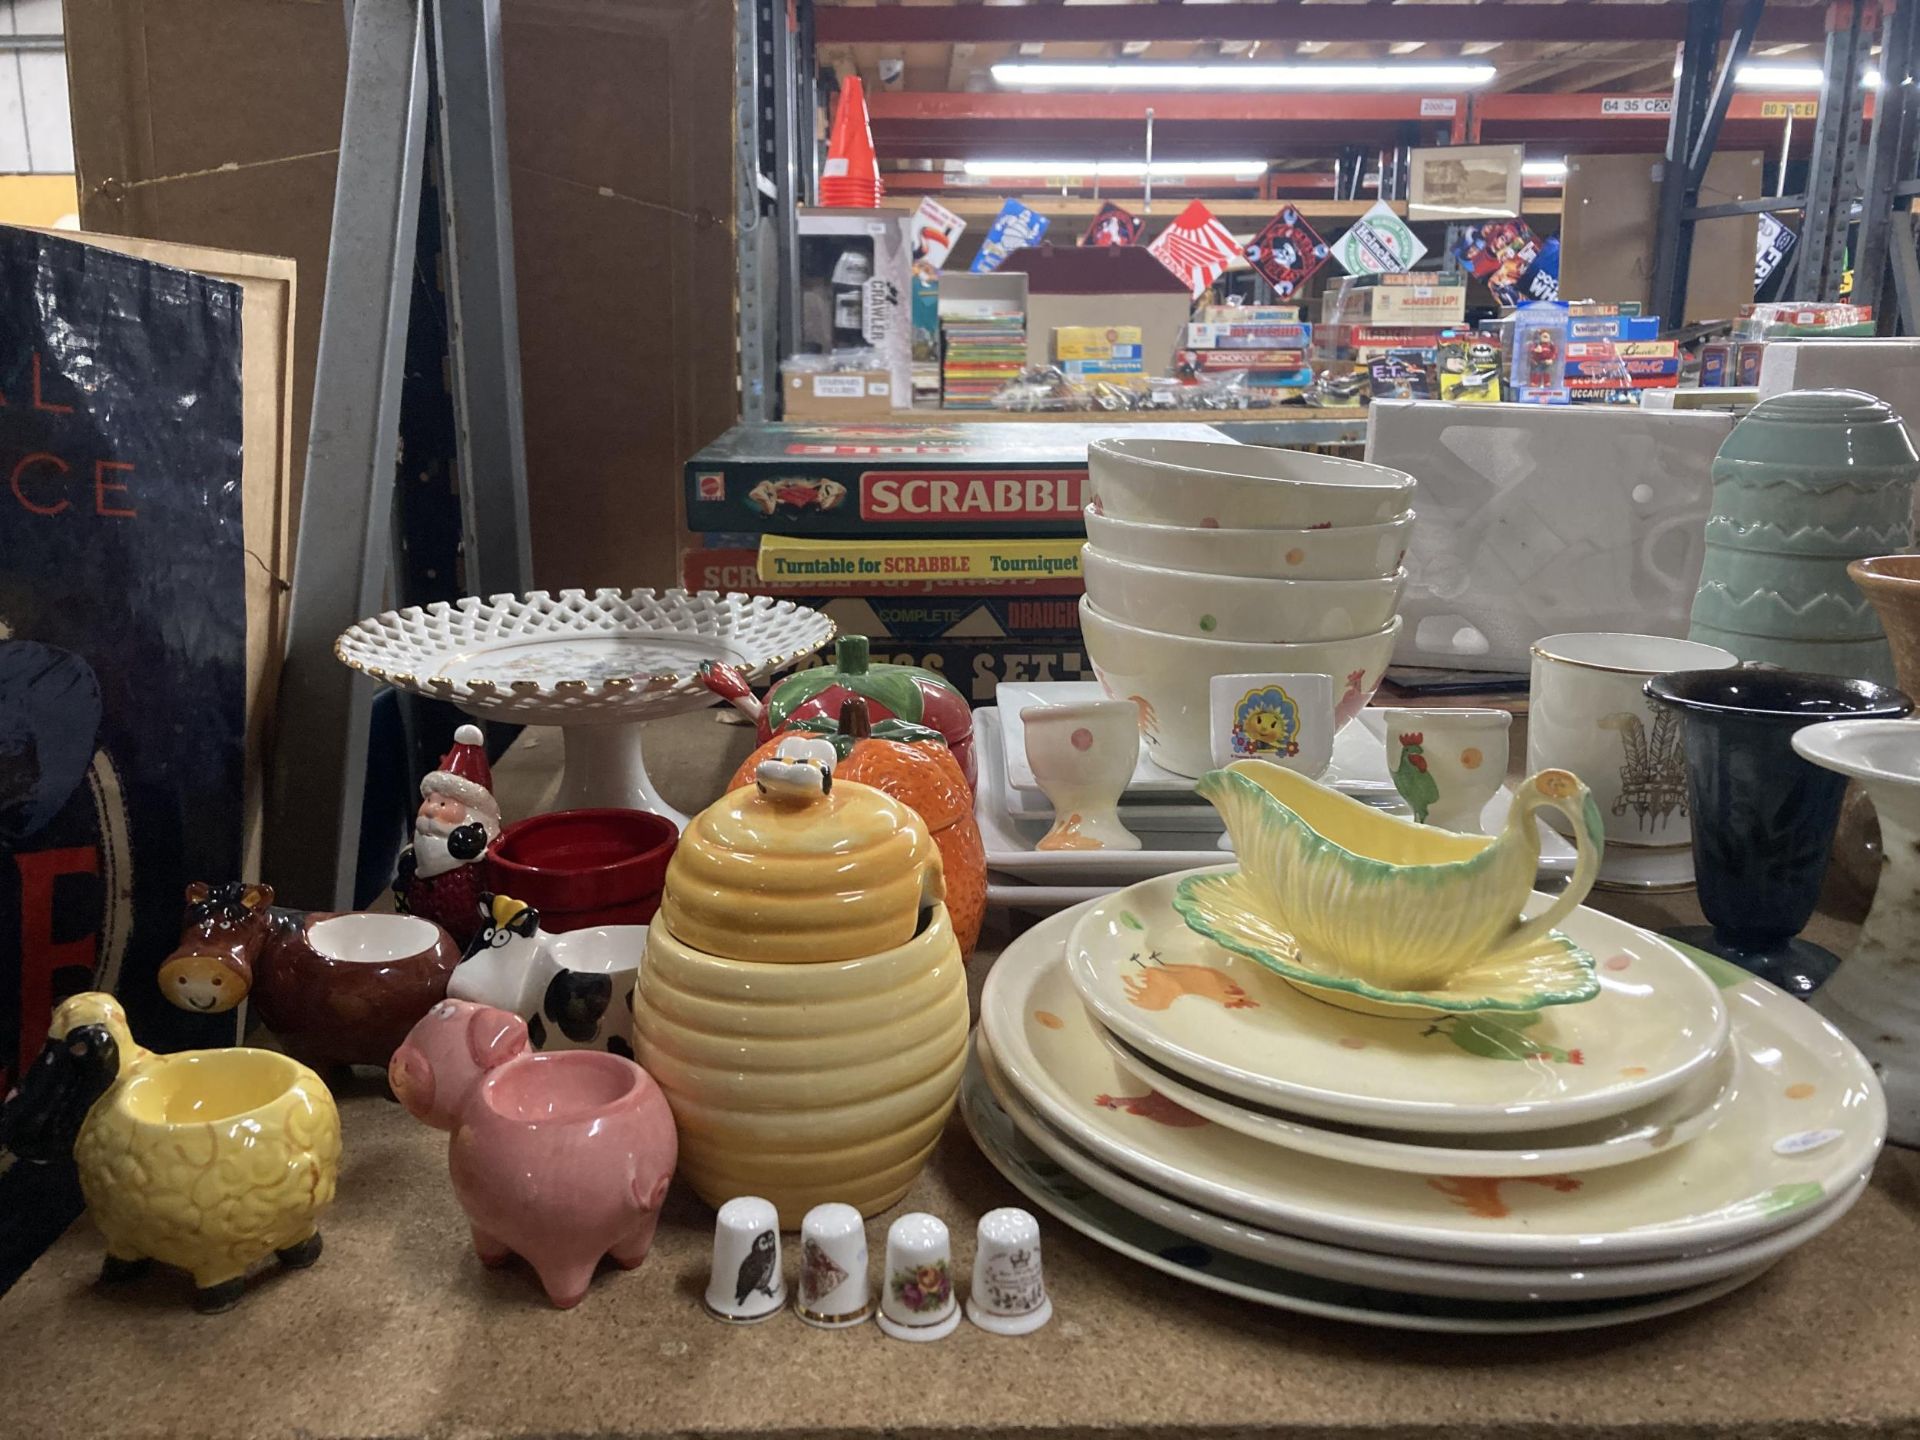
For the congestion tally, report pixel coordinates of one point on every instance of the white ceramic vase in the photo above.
(1875, 994)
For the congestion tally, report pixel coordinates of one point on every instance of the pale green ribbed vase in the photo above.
(1806, 482)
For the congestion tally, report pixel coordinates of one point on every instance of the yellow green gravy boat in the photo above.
(1381, 914)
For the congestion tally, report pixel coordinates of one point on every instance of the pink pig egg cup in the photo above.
(560, 1158)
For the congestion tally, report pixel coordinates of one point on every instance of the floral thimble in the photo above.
(746, 1284)
(834, 1291)
(916, 1294)
(1009, 1294)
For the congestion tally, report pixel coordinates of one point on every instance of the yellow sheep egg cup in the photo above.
(206, 1160)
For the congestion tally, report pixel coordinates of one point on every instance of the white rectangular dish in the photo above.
(1064, 874)
(1359, 764)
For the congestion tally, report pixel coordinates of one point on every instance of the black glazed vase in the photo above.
(1763, 818)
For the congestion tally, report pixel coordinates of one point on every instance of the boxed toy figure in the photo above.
(1540, 355)
(1469, 368)
(856, 289)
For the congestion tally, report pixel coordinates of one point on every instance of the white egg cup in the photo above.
(1286, 719)
(1461, 753)
(1083, 756)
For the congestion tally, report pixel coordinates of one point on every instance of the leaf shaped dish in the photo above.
(1342, 897)
(1550, 971)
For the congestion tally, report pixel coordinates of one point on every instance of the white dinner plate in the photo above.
(1446, 1279)
(1807, 1121)
(1674, 1119)
(1126, 1233)
(1232, 1024)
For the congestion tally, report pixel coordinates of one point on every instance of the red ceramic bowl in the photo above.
(585, 867)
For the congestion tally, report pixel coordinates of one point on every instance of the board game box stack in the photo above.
(1262, 346)
(954, 546)
(1614, 354)
(981, 355)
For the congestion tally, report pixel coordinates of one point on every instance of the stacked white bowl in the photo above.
(1210, 558)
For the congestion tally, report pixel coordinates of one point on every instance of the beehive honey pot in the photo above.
(803, 1003)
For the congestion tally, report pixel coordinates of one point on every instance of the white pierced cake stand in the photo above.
(599, 664)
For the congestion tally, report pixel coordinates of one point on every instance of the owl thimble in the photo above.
(834, 1291)
(1009, 1294)
(746, 1284)
(916, 1289)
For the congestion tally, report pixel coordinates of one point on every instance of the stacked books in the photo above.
(981, 354)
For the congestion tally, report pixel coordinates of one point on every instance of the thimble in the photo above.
(746, 1284)
(916, 1295)
(1009, 1294)
(834, 1291)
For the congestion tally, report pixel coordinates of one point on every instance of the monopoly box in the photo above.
(881, 479)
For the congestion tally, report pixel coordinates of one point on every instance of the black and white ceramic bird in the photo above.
(756, 1271)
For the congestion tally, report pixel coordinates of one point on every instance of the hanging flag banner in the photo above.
(1195, 247)
(1516, 264)
(1380, 243)
(936, 230)
(1772, 240)
(1014, 228)
(1287, 251)
(1112, 226)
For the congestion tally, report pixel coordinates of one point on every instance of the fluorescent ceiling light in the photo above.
(1545, 169)
(1114, 169)
(1791, 77)
(1781, 77)
(1233, 76)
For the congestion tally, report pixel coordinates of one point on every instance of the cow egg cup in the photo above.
(205, 1160)
(561, 1159)
(573, 991)
(338, 990)
(803, 1003)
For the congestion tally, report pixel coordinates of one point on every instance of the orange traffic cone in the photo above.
(851, 178)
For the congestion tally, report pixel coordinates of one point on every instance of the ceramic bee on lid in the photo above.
(803, 1002)
(797, 867)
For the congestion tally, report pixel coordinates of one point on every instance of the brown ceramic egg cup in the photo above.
(335, 997)
(336, 989)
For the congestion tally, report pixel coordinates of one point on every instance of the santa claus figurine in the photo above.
(439, 877)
